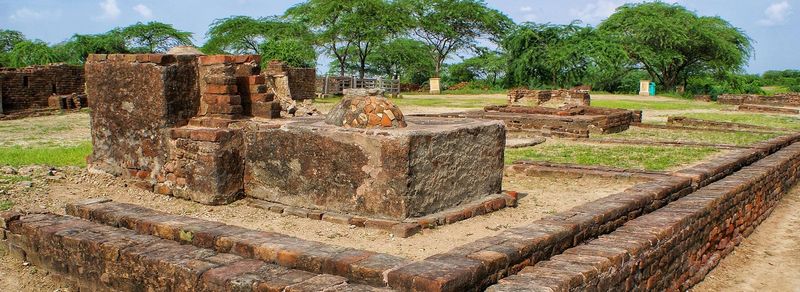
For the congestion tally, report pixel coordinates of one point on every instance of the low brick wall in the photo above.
(767, 109)
(674, 247)
(274, 248)
(29, 88)
(698, 123)
(561, 170)
(786, 99)
(94, 257)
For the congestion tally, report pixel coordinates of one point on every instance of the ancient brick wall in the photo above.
(136, 99)
(30, 87)
(522, 96)
(302, 82)
(786, 99)
(674, 247)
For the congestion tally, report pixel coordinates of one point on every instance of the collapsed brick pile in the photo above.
(30, 88)
(365, 108)
(293, 87)
(550, 98)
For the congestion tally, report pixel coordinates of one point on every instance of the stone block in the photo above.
(429, 166)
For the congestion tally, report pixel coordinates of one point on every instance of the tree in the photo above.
(296, 53)
(561, 56)
(330, 23)
(9, 38)
(672, 43)
(349, 28)
(79, 46)
(154, 37)
(28, 53)
(401, 58)
(449, 26)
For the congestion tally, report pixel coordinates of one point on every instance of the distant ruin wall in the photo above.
(302, 82)
(522, 96)
(30, 87)
(787, 99)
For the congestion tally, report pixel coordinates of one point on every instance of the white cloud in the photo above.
(596, 11)
(776, 13)
(110, 9)
(143, 10)
(528, 13)
(25, 13)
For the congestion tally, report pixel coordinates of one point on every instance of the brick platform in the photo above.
(573, 122)
(98, 258)
(768, 109)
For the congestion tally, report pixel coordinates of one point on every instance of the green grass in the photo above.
(52, 156)
(461, 102)
(621, 156)
(670, 135)
(772, 90)
(460, 92)
(6, 205)
(772, 121)
(677, 104)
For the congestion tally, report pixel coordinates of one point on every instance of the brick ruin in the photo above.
(549, 98)
(203, 128)
(782, 103)
(185, 131)
(293, 87)
(56, 86)
(569, 121)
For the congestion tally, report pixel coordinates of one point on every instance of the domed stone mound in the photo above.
(365, 108)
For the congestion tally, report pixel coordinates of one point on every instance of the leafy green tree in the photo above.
(28, 53)
(561, 56)
(449, 26)
(331, 23)
(349, 29)
(9, 38)
(402, 59)
(297, 53)
(672, 43)
(79, 46)
(154, 37)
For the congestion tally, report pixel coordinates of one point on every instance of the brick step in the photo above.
(356, 265)
(98, 258)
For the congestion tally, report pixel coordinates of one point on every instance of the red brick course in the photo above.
(674, 247)
(100, 258)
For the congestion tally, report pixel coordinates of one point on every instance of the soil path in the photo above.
(768, 260)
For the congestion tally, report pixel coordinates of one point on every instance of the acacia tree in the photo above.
(331, 23)
(672, 43)
(560, 55)
(449, 26)
(270, 37)
(8, 38)
(401, 58)
(79, 46)
(36, 52)
(372, 22)
(154, 37)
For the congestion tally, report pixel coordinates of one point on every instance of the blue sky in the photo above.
(773, 24)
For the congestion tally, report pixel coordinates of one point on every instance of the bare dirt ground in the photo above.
(768, 260)
(52, 192)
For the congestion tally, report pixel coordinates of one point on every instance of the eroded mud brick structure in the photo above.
(41, 87)
(556, 98)
(203, 128)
